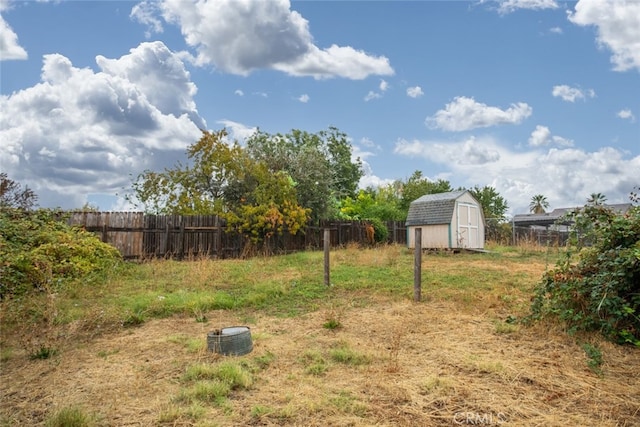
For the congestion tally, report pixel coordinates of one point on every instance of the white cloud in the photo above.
(372, 95)
(384, 85)
(618, 26)
(508, 6)
(238, 131)
(570, 94)
(304, 98)
(146, 12)
(415, 92)
(9, 46)
(627, 115)
(541, 136)
(238, 92)
(465, 114)
(565, 175)
(80, 131)
(240, 36)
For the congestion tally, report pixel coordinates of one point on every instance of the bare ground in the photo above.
(429, 364)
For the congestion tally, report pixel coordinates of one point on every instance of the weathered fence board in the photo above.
(137, 235)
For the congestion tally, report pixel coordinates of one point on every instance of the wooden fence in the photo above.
(137, 235)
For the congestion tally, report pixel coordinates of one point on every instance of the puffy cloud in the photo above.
(237, 131)
(627, 115)
(414, 92)
(146, 13)
(9, 46)
(384, 85)
(464, 153)
(239, 92)
(465, 114)
(239, 36)
(570, 94)
(304, 98)
(508, 6)
(79, 131)
(565, 175)
(618, 26)
(541, 136)
(555, 30)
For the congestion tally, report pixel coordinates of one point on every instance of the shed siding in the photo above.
(433, 236)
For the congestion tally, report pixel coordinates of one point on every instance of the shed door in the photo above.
(468, 226)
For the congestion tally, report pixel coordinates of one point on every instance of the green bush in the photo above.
(39, 250)
(601, 291)
(381, 232)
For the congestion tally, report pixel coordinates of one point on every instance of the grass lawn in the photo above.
(130, 349)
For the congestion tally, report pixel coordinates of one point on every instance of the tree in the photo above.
(538, 204)
(596, 199)
(320, 164)
(494, 206)
(223, 179)
(417, 186)
(195, 189)
(12, 196)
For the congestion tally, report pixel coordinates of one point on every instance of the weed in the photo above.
(70, 417)
(505, 327)
(343, 354)
(345, 402)
(595, 357)
(265, 360)
(214, 391)
(332, 324)
(43, 353)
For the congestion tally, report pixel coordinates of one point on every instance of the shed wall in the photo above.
(433, 236)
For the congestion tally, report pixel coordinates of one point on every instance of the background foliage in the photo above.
(601, 289)
(39, 251)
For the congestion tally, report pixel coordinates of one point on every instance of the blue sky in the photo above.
(528, 96)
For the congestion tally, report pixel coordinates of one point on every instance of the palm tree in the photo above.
(538, 204)
(596, 199)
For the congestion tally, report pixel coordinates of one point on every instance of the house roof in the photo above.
(555, 216)
(432, 209)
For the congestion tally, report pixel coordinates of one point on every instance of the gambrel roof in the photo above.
(432, 209)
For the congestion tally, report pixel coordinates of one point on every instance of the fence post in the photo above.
(327, 244)
(417, 266)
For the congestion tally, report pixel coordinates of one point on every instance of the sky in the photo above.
(528, 96)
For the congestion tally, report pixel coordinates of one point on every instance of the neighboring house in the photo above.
(556, 219)
(452, 220)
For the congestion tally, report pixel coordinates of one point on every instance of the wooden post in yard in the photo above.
(417, 266)
(327, 244)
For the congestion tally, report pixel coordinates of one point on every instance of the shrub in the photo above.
(39, 250)
(601, 291)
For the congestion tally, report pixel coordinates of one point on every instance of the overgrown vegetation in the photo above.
(38, 250)
(597, 287)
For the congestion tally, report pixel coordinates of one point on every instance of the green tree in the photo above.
(195, 189)
(538, 204)
(320, 165)
(494, 206)
(223, 179)
(13, 196)
(417, 186)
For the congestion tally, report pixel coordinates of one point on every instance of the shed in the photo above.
(452, 220)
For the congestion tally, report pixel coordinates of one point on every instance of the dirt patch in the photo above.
(426, 364)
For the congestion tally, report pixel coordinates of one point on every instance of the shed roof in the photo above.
(432, 209)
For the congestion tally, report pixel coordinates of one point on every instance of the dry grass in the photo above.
(449, 360)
